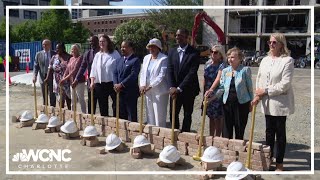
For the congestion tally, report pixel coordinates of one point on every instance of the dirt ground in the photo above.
(298, 156)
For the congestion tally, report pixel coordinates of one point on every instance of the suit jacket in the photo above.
(127, 73)
(242, 81)
(40, 64)
(184, 75)
(158, 75)
(86, 64)
(276, 76)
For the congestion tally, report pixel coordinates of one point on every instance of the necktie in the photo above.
(46, 59)
(181, 52)
(125, 59)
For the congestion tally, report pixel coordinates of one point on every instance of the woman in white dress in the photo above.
(153, 83)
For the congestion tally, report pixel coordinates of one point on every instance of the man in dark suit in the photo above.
(86, 64)
(125, 80)
(183, 64)
(41, 65)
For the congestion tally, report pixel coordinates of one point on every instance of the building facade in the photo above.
(107, 24)
(18, 16)
(250, 29)
(84, 13)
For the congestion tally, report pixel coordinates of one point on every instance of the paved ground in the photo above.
(86, 159)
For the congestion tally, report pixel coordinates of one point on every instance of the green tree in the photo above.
(76, 33)
(55, 24)
(26, 31)
(172, 19)
(137, 31)
(3, 30)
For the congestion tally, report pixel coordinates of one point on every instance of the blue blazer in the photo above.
(243, 83)
(127, 73)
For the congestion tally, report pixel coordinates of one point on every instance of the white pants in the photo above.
(80, 96)
(156, 108)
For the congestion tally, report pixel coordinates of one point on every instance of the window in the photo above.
(98, 30)
(121, 21)
(106, 22)
(98, 22)
(88, 23)
(94, 30)
(95, 23)
(110, 22)
(102, 22)
(114, 21)
(29, 14)
(102, 30)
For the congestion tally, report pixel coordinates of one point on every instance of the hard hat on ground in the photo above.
(169, 154)
(43, 118)
(53, 121)
(69, 127)
(140, 141)
(212, 154)
(90, 131)
(112, 142)
(26, 116)
(236, 166)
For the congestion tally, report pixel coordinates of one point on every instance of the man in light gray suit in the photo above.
(41, 65)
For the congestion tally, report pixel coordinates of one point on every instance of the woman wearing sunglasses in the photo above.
(274, 89)
(212, 74)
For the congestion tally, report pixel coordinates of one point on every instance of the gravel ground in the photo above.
(298, 125)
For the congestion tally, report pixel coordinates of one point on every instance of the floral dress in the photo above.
(58, 70)
(214, 108)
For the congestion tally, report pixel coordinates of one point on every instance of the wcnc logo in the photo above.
(43, 155)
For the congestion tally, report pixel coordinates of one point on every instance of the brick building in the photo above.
(107, 24)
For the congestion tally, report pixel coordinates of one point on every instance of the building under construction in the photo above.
(249, 29)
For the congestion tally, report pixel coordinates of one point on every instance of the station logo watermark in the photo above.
(42, 158)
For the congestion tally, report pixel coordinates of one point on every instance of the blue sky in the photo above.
(130, 3)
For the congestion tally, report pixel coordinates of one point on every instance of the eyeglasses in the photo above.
(214, 52)
(272, 42)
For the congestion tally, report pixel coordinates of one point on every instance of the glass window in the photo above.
(29, 14)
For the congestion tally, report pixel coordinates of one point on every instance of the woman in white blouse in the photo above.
(274, 89)
(102, 74)
(153, 82)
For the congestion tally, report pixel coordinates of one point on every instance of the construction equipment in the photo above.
(174, 100)
(203, 15)
(46, 97)
(141, 112)
(60, 104)
(197, 157)
(74, 106)
(253, 114)
(90, 131)
(35, 101)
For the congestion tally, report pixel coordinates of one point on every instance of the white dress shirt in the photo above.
(103, 66)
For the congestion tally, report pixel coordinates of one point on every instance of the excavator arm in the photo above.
(203, 16)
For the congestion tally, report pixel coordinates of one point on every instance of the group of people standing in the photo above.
(162, 78)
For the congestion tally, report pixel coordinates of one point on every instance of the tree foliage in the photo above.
(172, 19)
(137, 31)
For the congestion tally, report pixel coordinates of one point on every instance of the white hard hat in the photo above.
(42, 118)
(140, 141)
(90, 131)
(26, 116)
(112, 142)
(53, 121)
(169, 154)
(155, 42)
(234, 167)
(212, 154)
(69, 127)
